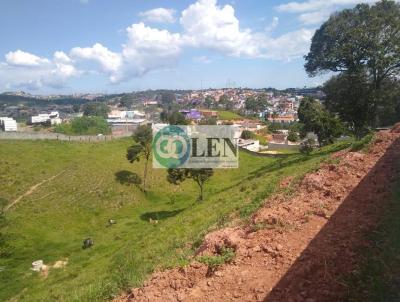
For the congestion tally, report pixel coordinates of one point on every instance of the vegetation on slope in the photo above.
(51, 223)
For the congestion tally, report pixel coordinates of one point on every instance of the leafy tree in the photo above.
(76, 108)
(247, 134)
(257, 104)
(364, 39)
(318, 120)
(143, 137)
(292, 136)
(225, 102)
(199, 176)
(251, 104)
(349, 96)
(209, 101)
(177, 118)
(85, 125)
(96, 109)
(167, 98)
(307, 146)
(126, 101)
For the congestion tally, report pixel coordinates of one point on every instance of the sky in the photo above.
(104, 46)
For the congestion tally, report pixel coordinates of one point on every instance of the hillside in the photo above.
(61, 193)
(335, 239)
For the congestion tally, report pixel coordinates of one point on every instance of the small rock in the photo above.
(219, 274)
(278, 247)
(257, 248)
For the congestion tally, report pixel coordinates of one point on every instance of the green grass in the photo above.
(226, 255)
(51, 223)
(362, 144)
(228, 115)
(378, 276)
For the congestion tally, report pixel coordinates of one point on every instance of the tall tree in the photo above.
(96, 109)
(318, 120)
(143, 137)
(363, 39)
(209, 101)
(349, 95)
(199, 176)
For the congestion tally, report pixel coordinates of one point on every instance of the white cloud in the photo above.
(313, 5)
(289, 46)
(204, 24)
(147, 49)
(159, 15)
(108, 60)
(316, 11)
(208, 25)
(22, 58)
(25, 70)
(312, 18)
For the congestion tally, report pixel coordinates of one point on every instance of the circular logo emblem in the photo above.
(171, 146)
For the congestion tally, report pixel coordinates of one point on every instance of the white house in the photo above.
(8, 124)
(53, 118)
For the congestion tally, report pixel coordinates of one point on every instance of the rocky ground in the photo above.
(298, 247)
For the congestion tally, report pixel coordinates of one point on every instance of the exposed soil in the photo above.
(298, 248)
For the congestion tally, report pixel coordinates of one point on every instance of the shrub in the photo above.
(307, 146)
(213, 262)
(246, 134)
(86, 125)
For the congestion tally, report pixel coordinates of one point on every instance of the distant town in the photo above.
(250, 110)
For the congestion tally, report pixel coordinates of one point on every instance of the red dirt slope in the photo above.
(308, 241)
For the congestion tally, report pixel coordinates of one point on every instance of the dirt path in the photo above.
(302, 246)
(31, 190)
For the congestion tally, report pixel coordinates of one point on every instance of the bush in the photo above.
(246, 134)
(86, 125)
(362, 143)
(213, 262)
(293, 136)
(307, 146)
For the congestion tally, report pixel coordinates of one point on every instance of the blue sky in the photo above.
(68, 46)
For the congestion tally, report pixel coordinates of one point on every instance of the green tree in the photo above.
(349, 96)
(209, 101)
(364, 39)
(318, 120)
(96, 109)
(225, 102)
(85, 125)
(76, 108)
(143, 137)
(199, 176)
(293, 136)
(251, 104)
(177, 118)
(247, 134)
(168, 98)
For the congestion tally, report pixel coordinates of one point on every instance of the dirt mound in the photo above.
(396, 128)
(297, 248)
(214, 242)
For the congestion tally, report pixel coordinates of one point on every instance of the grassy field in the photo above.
(228, 115)
(51, 223)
